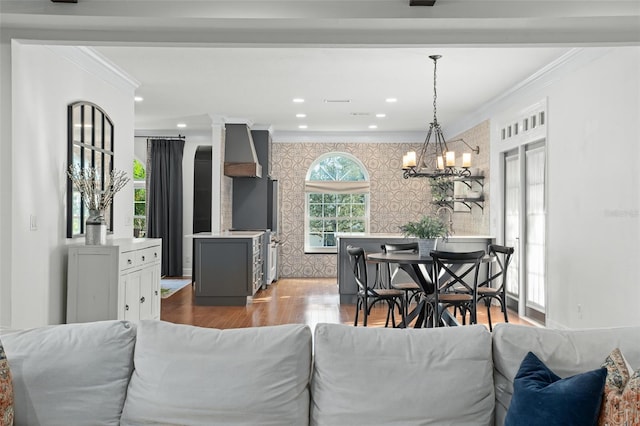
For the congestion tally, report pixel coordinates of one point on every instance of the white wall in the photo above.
(5, 183)
(193, 139)
(45, 80)
(593, 212)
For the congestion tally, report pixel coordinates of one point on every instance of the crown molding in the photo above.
(95, 64)
(534, 84)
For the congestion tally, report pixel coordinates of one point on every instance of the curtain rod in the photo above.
(160, 137)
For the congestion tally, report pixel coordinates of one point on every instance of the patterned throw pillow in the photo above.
(621, 401)
(6, 391)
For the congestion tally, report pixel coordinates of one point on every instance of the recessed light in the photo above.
(298, 100)
(302, 126)
(337, 101)
(181, 125)
(138, 98)
(381, 115)
(373, 126)
(391, 100)
(301, 115)
(86, 126)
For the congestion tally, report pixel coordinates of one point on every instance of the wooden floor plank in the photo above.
(289, 300)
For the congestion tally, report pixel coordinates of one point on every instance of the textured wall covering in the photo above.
(475, 222)
(393, 200)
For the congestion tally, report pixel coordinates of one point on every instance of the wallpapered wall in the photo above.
(393, 200)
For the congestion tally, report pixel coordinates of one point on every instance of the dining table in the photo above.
(420, 269)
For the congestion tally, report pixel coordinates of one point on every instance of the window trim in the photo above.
(364, 189)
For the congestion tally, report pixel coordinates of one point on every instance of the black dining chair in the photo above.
(456, 276)
(495, 287)
(411, 289)
(368, 296)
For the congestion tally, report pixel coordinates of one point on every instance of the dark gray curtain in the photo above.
(164, 200)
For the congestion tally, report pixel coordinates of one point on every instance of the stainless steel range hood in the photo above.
(240, 159)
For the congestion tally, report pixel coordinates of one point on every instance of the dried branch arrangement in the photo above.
(87, 182)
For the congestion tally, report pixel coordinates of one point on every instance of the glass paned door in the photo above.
(512, 221)
(525, 228)
(535, 226)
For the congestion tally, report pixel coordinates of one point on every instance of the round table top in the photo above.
(409, 258)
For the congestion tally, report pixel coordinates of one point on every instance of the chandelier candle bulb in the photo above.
(466, 160)
(450, 157)
(440, 162)
(405, 162)
(411, 158)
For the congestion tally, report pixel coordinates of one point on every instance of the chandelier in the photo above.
(435, 159)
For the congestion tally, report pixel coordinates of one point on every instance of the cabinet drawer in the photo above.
(148, 255)
(128, 260)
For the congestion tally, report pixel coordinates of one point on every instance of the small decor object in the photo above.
(427, 230)
(6, 391)
(95, 199)
(541, 398)
(621, 401)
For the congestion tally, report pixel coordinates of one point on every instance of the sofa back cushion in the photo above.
(196, 376)
(71, 374)
(565, 352)
(378, 376)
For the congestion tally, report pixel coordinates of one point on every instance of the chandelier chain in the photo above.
(435, 93)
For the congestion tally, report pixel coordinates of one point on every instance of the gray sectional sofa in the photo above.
(153, 372)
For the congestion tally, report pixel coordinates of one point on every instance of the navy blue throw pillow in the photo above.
(542, 398)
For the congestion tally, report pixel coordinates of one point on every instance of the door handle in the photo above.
(142, 299)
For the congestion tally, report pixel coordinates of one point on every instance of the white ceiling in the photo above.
(246, 59)
(190, 85)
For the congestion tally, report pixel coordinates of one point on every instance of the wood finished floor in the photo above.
(300, 300)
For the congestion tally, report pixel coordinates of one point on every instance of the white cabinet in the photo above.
(120, 280)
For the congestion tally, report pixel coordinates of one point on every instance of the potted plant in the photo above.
(427, 230)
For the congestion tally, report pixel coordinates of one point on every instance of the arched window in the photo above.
(337, 200)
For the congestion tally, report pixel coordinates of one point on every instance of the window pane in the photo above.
(139, 209)
(344, 210)
(315, 239)
(343, 198)
(315, 226)
(139, 194)
(329, 198)
(329, 225)
(315, 210)
(97, 130)
(315, 198)
(358, 226)
(330, 240)
(329, 210)
(358, 210)
(344, 225)
(108, 145)
(358, 198)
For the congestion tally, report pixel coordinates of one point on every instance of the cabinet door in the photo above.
(131, 284)
(155, 297)
(146, 293)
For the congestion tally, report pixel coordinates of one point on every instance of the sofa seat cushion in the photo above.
(71, 374)
(541, 398)
(381, 376)
(565, 352)
(186, 375)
